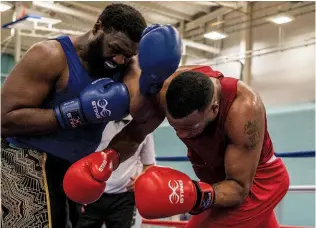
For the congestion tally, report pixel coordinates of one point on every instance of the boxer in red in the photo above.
(223, 123)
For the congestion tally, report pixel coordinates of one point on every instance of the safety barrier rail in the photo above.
(294, 188)
(164, 223)
(302, 188)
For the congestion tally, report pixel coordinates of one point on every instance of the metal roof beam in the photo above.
(200, 46)
(85, 6)
(65, 10)
(206, 18)
(154, 7)
(197, 7)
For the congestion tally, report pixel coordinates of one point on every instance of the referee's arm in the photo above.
(147, 158)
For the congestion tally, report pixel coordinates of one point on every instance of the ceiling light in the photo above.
(280, 19)
(4, 6)
(215, 35)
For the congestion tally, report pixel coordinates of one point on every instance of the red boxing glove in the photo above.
(84, 181)
(162, 192)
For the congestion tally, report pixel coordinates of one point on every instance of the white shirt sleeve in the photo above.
(111, 129)
(147, 153)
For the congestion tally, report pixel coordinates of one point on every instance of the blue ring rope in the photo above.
(302, 154)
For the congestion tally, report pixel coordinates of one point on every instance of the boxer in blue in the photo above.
(56, 102)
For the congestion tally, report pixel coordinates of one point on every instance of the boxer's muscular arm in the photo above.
(128, 140)
(245, 125)
(27, 86)
(147, 116)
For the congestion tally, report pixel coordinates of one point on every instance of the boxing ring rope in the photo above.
(147, 223)
(302, 154)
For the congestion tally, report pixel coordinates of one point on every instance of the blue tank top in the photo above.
(72, 144)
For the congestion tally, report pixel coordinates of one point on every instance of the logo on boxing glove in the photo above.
(104, 111)
(175, 197)
(102, 166)
(207, 200)
(74, 119)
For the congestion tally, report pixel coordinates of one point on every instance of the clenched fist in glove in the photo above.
(84, 181)
(160, 51)
(162, 192)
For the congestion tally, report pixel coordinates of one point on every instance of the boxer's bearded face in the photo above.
(194, 124)
(109, 53)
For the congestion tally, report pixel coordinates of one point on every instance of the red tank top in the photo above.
(206, 151)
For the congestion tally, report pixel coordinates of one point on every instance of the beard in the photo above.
(95, 60)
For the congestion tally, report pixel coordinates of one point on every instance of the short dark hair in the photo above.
(187, 92)
(123, 18)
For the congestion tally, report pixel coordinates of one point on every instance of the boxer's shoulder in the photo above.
(246, 96)
(247, 104)
(46, 56)
(43, 62)
(51, 49)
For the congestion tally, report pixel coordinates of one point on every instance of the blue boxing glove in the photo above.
(160, 50)
(102, 101)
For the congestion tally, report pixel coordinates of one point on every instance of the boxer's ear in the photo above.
(97, 26)
(215, 107)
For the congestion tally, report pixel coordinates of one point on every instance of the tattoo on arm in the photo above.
(251, 130)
